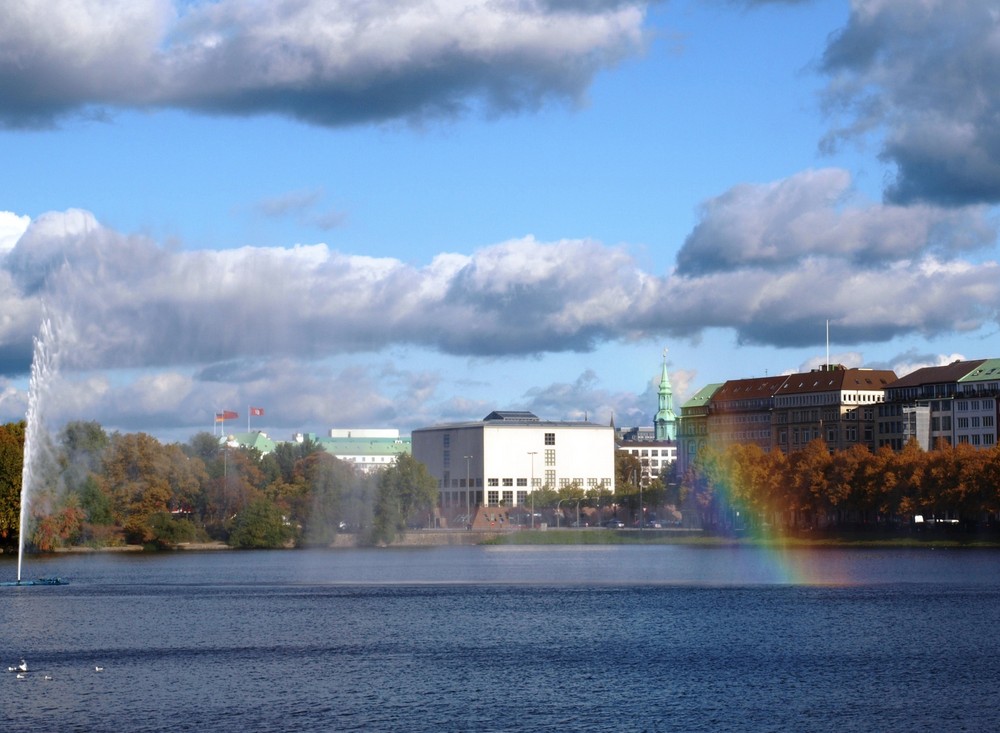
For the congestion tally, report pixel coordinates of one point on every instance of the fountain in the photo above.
(43, 367)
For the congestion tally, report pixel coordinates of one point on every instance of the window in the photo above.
(508, 498)
(963, 422)
(492, 482)
(550, 456)
(522, 482)
(508, 482)
(550, 439)
(522, 497)
(493, 497)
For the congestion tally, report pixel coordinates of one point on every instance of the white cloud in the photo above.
(325, 61)
(12, 227)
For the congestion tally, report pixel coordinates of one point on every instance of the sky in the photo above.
(398, 214)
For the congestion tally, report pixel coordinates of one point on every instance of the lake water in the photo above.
(647, 638)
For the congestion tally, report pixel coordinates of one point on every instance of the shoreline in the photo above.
(571, 537)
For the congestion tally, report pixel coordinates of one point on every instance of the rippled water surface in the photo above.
(651, 638)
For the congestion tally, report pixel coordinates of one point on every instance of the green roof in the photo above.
(702, 396)
(253, 440)
(988, 371)
(365, 446)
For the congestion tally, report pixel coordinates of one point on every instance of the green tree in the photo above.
(259, 525)
(328, 480)
(404, 490)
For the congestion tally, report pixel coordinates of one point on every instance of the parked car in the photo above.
(614, 524)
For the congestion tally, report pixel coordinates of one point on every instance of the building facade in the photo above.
(501, 459)
(954, 403)
(836, 404)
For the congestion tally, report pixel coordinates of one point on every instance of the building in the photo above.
(954, 403)
(740, 412)
(834, 403)
(655, 456)
(655, 447)
(256, 439)
(507, 455)
(692, 434)
(665, 421)
(366, 449)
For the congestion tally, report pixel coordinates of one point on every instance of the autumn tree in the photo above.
(11, 465)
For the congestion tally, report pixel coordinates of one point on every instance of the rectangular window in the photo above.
(492, 482)
(550, 456)
(508, 498)
(987, 421)
(522, 497)
(963, 423)
(493, 497)
(550, 479)
(550, 439)
(508, 482)
(522, 482)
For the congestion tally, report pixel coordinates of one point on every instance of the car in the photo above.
(614, 524)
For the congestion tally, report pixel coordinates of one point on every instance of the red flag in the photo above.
(220, 416)
(226, 415)
(257, 412)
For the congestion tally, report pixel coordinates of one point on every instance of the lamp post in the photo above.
(639, 480)
(468, 500)
(532, 453)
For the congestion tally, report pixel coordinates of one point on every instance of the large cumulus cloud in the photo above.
(770, 262)
(926, 76)
(329, 62)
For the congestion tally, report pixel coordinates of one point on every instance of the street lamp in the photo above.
(468, 501)
(532, 453)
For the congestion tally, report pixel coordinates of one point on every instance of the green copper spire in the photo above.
(666, 421)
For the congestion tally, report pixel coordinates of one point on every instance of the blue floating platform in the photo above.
(35, 581)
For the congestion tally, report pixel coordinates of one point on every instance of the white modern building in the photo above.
(505, 456)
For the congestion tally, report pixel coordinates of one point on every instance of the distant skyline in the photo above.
(397, 215)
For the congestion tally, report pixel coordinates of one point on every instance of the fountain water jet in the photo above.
(44, 362)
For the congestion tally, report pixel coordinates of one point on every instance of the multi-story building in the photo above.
(786, 412)
(507, 455)
(692, 433)
(740, 412)
(367, 449)
(834, 403)
(954, 403)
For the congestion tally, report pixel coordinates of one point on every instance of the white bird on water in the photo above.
(98, 669)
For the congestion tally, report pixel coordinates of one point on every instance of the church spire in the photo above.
(666, 422)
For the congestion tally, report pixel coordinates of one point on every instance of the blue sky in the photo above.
(402, 214)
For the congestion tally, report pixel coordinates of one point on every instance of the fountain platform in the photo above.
(35, 581)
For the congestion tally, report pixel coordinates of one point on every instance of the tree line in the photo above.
(742, 486)
(98, 489)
